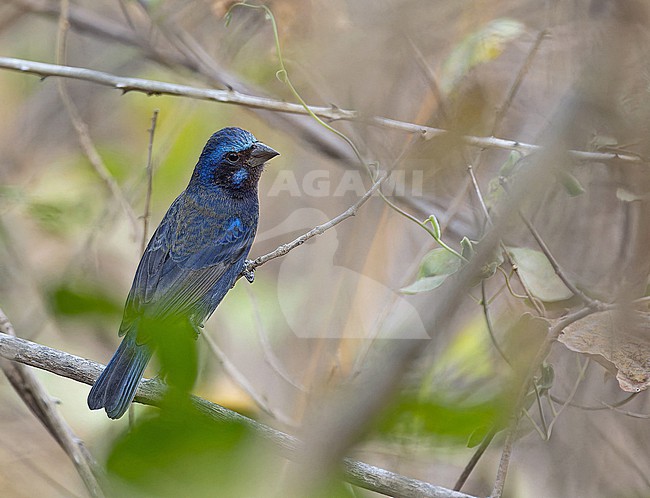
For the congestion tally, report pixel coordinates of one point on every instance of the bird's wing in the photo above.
(183, 263)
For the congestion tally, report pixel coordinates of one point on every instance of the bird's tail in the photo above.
(116, 386)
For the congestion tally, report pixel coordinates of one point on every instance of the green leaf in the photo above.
(545, 382)
(424, 284)
(435, 225)
(438, 261)
(508, 168)
(495, 193)
(467, 248)
(538, 275)
(477, 436)
(174, 342)
(570, 183)
(435, 267)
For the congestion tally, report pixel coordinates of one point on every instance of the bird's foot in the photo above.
(248, 272)
(196, 327)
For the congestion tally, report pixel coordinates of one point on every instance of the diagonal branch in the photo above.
(151, 392)
(318, 230)
(152, 87)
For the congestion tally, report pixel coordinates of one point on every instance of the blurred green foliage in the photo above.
(450, 419)
(59, 216)
(180, 452)
(75, 299)
(174, 343)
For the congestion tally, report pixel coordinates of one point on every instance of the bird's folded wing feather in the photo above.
(181, 266)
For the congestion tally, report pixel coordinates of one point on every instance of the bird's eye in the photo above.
(233, 157)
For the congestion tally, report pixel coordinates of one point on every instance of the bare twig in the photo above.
(318, 230)
(626, 412)
(269, 355)
(480, 451)
(241, 380)
(524, 388)
(488, 218)
(470, 170)
(151, 392)
(431, 79)
(574, 390)
(505, 106)
(504, 462)
(606, 406)
(87, 145)
(32, 392)
(147, 200)
(152, 87)
(592, 303)
(488, 323)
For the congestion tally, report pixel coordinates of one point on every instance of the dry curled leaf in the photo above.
(621, 338)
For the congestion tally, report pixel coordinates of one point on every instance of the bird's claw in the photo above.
(248, 272)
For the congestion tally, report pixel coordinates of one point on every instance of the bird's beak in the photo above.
(260, 153)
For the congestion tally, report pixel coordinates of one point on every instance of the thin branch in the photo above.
(87, 145)
(504, 462)
(488, 323)
(151, 392)
(147, 199)
(496, 126)
(85, 21)
(572, 394)
(270, 357)
(606, 406)
(37, 399)
(505, 106)
(241, 380)
(556, 266)
(540, 410)
(152, 87)
(431, 79)
(318, 230)
(488, 218)
(626, 412)
(552, 335)
(480, 451)
(479, 195)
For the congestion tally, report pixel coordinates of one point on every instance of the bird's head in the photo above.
(232, 160)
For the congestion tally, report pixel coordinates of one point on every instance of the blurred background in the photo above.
(567, 75)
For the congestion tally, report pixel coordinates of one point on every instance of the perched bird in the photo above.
(192, 260)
